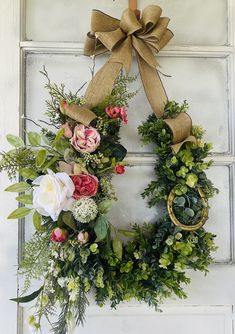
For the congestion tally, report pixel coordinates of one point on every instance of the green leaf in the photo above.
(37, 220)
(51, 162)
(28, 298)
(19, 213)
(45, 140)
(127, 233)
(101, 227)
(28, 173)
(18, 187)
(105, 206)
(118, 151)
(15, 140)
(25, 199)
(62, 145)
(34, 138)
(69, 220)
(41, 157)
(189, 212)
(58, 136)
(117, 248)
(180, 201)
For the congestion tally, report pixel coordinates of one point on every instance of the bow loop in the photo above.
(110, 39)
(129, 23)
(150, 16)
(103, 22)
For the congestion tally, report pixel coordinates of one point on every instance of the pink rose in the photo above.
(86, 185)
(113, 112)
(59, 235)
(67, 130)
(119, 169)
(83, 237)
(85, 139)
(117, 112)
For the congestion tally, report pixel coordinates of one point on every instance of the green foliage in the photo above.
(120, 94)
(36, 256)
(179, 172)
(172, 109)
(15, 160)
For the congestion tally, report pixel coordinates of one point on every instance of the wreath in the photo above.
(66, 172)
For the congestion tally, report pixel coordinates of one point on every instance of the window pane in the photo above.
(201, 81)
(194, 22)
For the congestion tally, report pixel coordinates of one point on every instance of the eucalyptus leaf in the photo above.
(105, 206)
(69, 220)
(180, 201)
(18, 187)
(41, 157)
(189, 212)
(28, 173)
(117, 248)
(34, 138)
(19, 213)
(15, 140)
(101, 227)
(37, 220)
(27, 298)
(25, 199)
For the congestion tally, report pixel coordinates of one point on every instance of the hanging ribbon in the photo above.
(146, 37)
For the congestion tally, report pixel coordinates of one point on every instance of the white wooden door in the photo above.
(200, 60)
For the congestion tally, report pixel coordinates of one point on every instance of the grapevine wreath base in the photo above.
(73, 252)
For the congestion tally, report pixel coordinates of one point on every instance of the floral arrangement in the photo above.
(66, 188)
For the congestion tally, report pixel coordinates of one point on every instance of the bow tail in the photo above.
(101, 84)
(153, 87)
(181, 125)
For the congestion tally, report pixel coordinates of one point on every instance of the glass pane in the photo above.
(194, 22)
(201, 81)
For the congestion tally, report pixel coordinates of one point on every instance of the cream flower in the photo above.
(53, 194)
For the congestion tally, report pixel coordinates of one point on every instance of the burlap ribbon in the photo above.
(146, 37)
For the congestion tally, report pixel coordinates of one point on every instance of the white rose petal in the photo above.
(53, 194)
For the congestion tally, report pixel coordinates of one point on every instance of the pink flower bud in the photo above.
(63, 105)
(119, 169)
(59, 235)
(83, 237)
(67, 130)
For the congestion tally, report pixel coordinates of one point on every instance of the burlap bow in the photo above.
(146, 37)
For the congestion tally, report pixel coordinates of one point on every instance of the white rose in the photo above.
(53, 194)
